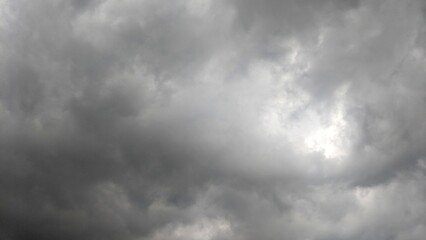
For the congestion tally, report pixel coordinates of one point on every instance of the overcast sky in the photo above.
(213, 119)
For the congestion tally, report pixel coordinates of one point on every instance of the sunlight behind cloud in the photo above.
(329, 138)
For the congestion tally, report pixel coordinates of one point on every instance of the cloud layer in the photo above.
(212, 120)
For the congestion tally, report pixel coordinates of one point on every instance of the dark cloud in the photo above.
(212, 119)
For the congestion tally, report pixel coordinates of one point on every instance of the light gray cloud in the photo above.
(212, 119)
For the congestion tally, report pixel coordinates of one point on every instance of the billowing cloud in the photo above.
(212, 120)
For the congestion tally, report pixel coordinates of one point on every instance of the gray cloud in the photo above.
(212, 119)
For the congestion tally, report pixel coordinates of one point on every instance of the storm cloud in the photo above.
(213, 120)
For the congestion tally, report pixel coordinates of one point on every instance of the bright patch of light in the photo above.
(329, 139)
(323, 141)
(288, 114)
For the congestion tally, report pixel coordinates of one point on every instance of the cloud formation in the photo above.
(212, 120)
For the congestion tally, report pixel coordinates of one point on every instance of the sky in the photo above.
(212, 119)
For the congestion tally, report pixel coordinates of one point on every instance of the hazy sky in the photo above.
(213, 119)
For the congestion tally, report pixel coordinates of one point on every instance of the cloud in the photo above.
(212, 119)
